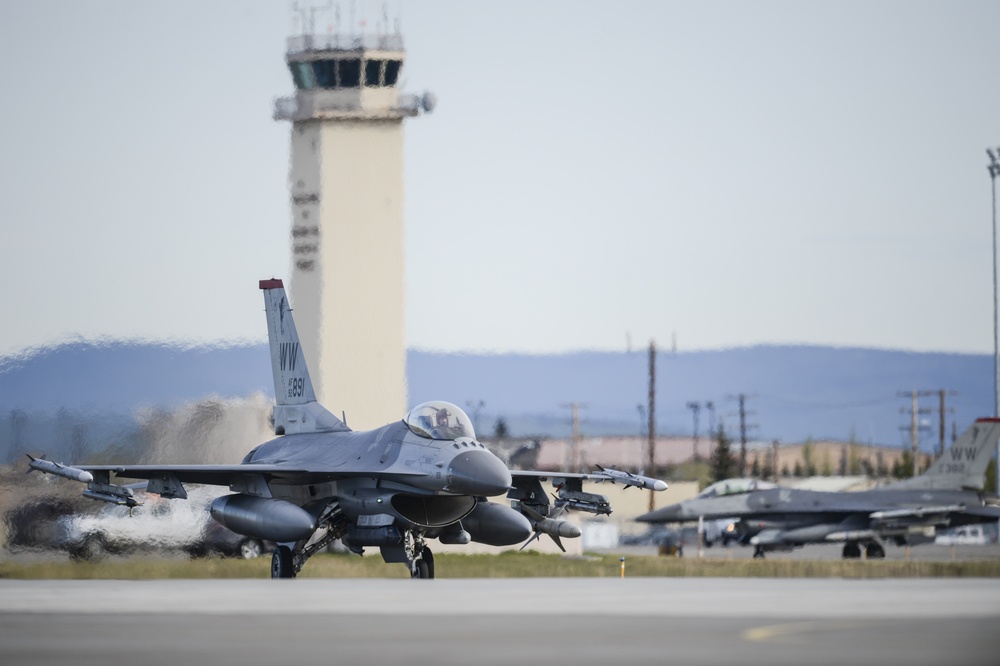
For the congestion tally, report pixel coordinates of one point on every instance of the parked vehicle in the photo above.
(966, 535)
(158, 525)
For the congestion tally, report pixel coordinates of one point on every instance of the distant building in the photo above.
(820, 458)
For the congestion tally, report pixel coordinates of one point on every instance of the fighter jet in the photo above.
(394, 488)
(949, 493)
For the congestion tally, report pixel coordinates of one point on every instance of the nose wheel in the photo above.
(423, 566)
(419, 556)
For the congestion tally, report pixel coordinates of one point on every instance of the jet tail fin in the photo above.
(963, 466)
(296, 409)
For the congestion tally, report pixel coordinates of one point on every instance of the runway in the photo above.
(500, 621)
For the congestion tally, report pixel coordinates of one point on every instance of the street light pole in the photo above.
(994, 170)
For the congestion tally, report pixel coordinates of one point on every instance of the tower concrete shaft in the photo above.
(347, 232)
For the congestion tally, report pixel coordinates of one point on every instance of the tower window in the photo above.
(372, 68)
(350, 73)
(392, 71)
(302, 75)
(325, 73)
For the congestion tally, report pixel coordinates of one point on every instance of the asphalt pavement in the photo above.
(924, 553)
(500, 621)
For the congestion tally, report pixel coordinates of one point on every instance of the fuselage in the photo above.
(392, 453)
(790, 516)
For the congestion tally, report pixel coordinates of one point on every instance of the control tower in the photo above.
(347, 235)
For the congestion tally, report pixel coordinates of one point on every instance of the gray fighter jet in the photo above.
(424, 477)
(949, 493)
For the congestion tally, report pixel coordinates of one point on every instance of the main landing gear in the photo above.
(289, 558)
(282, 563)
(873, 550)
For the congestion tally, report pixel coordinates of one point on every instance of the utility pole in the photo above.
(994, 169)
(744, 427)
(710, 406)
(743, 436)
(913, 433)
(695, 407)
(774, 460)
(651, 430)
(915, 411)
(943, 411)
(574, 452)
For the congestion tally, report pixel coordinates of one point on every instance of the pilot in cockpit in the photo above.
(441, 418)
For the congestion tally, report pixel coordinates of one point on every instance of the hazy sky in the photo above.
(734, 172)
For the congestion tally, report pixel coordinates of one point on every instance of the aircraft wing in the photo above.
(932, 515)
(169, 480)
(600, 475)
(983, 511)
(569, 494)
(225, 475)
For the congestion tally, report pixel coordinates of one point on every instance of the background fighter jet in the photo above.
(908, 512)
(395, 487)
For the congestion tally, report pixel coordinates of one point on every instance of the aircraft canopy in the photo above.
(439, 420)
(735, 487)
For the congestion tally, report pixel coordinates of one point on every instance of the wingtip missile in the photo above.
(628, 479)
(65, 471)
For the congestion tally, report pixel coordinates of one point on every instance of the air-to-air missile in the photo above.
(554, 528)
(49, 467)
(628, 479)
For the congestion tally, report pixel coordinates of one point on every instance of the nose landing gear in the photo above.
(418, 556)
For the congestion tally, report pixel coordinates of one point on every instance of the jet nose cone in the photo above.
(667, 514)
(478, 473)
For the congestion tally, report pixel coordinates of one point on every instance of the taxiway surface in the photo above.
(501, 621)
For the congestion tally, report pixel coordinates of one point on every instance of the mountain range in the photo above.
(790, 393)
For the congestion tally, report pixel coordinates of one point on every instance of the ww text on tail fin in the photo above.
(963, 466)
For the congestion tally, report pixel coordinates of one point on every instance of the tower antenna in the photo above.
(308, 25)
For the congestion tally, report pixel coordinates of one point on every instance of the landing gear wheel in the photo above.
(420, 570)
(427, 557)
(874, 551)
(418, 556)
(92, 549)
(281, 563)
(758, 553)
(852, 551)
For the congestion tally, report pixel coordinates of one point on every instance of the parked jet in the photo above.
(949, 493)
(395, 487)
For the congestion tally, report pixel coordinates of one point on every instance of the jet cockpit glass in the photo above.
(735, 487)
(439, 420)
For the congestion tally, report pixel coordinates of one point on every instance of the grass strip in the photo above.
(506, 565)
